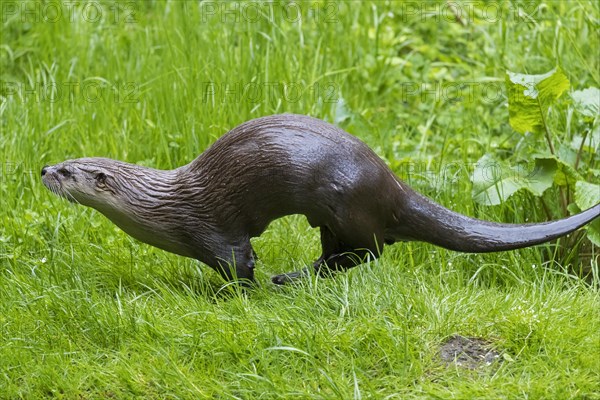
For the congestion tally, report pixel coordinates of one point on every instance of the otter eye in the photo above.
(101, 178)
(65, 173)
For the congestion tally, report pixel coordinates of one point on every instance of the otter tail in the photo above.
(430, 222)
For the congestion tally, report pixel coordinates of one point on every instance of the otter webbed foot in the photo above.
(290, 277)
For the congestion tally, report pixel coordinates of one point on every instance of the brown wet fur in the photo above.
(274, 166)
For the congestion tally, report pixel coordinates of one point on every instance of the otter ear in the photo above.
(101, 179)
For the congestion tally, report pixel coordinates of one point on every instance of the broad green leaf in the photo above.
(523, 109)
(529, 97)
(587, 101)
(342, 112)
(588, 195)
(593, 232)
(552, 87)
(494, 181)
(542, 177)
(565, 174)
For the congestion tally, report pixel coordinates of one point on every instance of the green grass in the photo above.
(87, 312)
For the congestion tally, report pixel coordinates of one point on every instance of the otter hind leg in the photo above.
(290, 277)
(329, 244)
(337, 256)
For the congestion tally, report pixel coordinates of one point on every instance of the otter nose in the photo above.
(44, 170)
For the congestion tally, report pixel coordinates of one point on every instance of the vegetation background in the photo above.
(87, 312)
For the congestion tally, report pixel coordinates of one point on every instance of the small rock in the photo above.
(467, 352)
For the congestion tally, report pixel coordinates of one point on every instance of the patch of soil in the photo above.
(468, 352)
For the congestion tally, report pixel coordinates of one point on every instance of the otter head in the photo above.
(141, 201)
(87, 181)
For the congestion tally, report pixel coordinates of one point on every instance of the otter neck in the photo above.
(147, 206)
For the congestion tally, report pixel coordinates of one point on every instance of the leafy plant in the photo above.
(538, 164)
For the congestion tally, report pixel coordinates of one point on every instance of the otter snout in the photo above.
(45, 169)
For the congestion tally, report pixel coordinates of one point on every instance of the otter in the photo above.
(274, 166)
